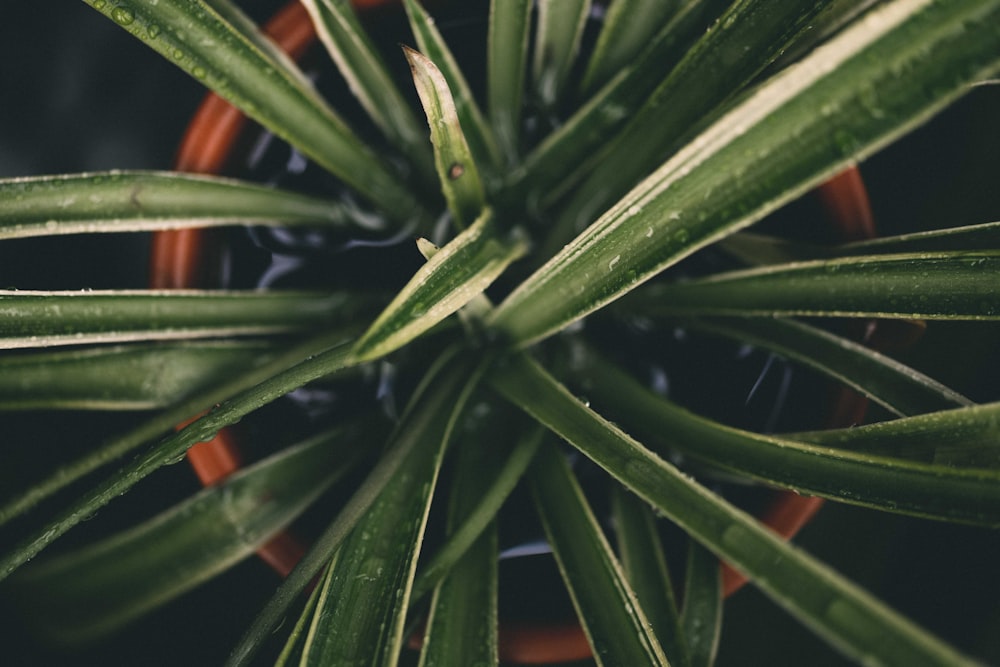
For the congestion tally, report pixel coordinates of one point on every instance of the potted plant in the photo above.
(616, 188)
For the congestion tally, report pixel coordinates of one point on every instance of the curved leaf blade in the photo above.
(644, 563)
(876, 80)
(942, 285)
(368, 77)
(557, 42)
(543, 176)
(462, 623)
(419, 418)
(134, 201)
(477, 131)
(737, 47)
(213, 41)
(702, 613)
(296, 373)
(361, 611)
(122, 377)
(40, 319)
(144, 567)
(628, 25)
(507, 52)
(968, 437)
(456, 168)
(607, 606)
(166, 420)
(893, 385)
(838, 610)
(481, 510)
(894, 485)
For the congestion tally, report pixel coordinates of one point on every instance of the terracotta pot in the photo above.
(184, 259)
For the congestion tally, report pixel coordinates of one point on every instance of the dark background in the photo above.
(77, 94)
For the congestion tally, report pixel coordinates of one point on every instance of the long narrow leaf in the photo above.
(702, 613)
(146, 566)
(462, 624)
(644, 563)
(543, 176)
(166, 420)
(757, 249)
(943, 285)
(368, 77)
(893, 385)
(967, 237)
(628, 26)
(615, 624)
(213, 41)
(481, 511)
(968, 437)
(456, 169)
(477, 131)
(451, 278)
(131, 201)
(420, 415)
(557, 42)
(876, 80)
(507, 47)
(839, 611)
(479, 134)
(171, 449)
(361, 611)
(747, 38)
(40, 319)
(295, 645)
(122, 377)
(895, 485)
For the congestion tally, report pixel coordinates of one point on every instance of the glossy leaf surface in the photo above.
(871, 83)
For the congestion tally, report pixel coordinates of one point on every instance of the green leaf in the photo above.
(462, 627)
(543, 177)
(557, 42)
(644, 563)
(942, 285)
(213, 41)
(144, 567)
(628, 26)
(838, 610)
(361, 611)
(477, 132)
(295, 645)
(746, 38)
(420, 417)
(607, 606)
(894, 485)
(462, 624)
(504, 476)
(456, 168)
(702, 613)
(967, 237)
(122, 377)
(166, 420)
(887, 73)
(40, 319)
(132, 201)
(451, 278)
(893, 385)
(365, 72)
(967, 437)
(758, 249)
(171, 449)
(507, 51)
